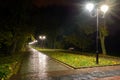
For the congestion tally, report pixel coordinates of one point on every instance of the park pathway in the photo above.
(37, 66)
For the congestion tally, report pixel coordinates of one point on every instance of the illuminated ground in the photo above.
(37, 66)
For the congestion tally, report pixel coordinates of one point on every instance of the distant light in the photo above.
(104, 8)
(42, 37)
(32, 42)
(35, 41)
(90, 6)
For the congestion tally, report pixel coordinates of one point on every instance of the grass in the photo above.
(78, 60)
(8, 65)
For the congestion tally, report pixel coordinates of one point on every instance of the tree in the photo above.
(103, 31)
(15, 26)
(77, 35)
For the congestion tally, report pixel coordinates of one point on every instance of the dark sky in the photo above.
(72, 5)
(41, 3)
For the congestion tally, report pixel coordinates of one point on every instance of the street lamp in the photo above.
(42, 38)
(89, 7)
(104, 8)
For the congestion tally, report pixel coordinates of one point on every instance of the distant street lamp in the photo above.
(104, 8)
(42, 38)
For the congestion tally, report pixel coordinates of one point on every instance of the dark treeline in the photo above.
(64, 25)
(15, 27)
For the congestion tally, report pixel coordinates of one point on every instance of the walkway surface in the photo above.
(37, 66)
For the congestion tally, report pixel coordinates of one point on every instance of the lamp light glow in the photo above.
(42, 37)
(104, 8)
(90, 6)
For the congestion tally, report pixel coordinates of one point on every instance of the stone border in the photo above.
(65, 64)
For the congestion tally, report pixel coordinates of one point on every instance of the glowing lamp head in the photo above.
(90, 7)
(40, 37)
(44, 37)
(104, 8)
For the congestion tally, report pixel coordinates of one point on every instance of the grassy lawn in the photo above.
(78, 60)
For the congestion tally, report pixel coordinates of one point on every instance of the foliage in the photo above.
(8, 65)
(20, 19)
(80, 42)
(4, 70)
(6, 37)
(104, 31)
(15, 29)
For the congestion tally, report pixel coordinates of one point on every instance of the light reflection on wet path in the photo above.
(36, 64)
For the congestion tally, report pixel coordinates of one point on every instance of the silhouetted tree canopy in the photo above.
(65, 25)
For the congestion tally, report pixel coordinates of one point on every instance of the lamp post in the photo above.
(42, 38)
(103, 8)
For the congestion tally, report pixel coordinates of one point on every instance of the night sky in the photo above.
(41, 3)
(74, 8)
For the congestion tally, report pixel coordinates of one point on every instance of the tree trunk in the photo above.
(102, 40)
(14, 47)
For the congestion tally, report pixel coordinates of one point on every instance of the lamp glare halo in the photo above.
(90, 6)
(104, 8)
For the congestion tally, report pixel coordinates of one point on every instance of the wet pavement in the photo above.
(36, 62)
(37, 66)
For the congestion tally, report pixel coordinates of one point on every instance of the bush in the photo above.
(9, 65)
(4, 71)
